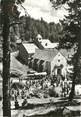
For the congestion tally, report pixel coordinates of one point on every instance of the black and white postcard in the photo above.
(40, 58)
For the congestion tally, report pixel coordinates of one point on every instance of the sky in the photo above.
(43, 8)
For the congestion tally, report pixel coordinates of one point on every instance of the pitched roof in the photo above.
(39, 36)
(46, 54)
(46, 43)
(67, 53)
(49, 54)
(30, 47)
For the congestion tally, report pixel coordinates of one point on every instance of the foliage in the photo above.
(11, 9)
(34, 27)
(28, 28)
(71, 35)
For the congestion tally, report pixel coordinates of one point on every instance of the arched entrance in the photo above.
(58, 72)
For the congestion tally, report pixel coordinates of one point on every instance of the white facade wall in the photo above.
(58, 60)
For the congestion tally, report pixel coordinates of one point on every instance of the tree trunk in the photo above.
(72, 93)
(6, 62)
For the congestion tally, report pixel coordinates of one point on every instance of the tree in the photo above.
(74, 30)
(72, 33)
(9, 10)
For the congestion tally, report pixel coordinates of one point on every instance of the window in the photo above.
(58, 60)
(45, 44)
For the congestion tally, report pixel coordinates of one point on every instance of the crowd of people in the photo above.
(41, 88)
(44, 87)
